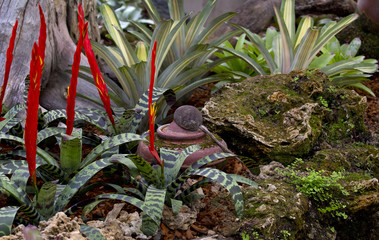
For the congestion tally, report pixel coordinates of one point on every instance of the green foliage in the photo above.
(63, 179)
(182, 52)
(291, 49)
(126, 11)
(319, 186)
(159, 185)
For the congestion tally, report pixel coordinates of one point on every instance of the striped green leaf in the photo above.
(26, 204)
(45, 200)
(71, 151)
(142, 107)
(41, 153)
(305, 24)
(152, 11)
(152, 210)
(7, 216)
(113, 27)
(301, 59)
(226, 181)
(288, 10)
(91, 232)
(89, 115)
(246, 58)
(260, 44)
(109, 144)
(330, 31)
(145, 169)
(285, 42)
(79, 180)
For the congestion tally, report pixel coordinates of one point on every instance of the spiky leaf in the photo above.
(91, 232)
(152, 210)
(7, 215)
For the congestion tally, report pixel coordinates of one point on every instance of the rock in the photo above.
(62, 227)
(356, 157)
(270, 171)
(182, 220)
(274, 207)
(281, 117)
(123, 227)
(336, 7)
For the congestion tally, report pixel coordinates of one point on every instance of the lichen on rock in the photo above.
(284, 116)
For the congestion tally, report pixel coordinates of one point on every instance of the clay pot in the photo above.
(171, 136)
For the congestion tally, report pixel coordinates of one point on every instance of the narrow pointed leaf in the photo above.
(301, 59)
(226, 181)
(109, 144)
(152, 210)
(7, 216)
(286, 44)
(91, 232)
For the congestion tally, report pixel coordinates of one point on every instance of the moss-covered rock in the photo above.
(356, 158)
(274, 209)
(284, 116)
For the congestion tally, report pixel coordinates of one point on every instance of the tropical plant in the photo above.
(342, 65)
(59, 187)
(126, 11)
(159, 184)
(156, 185)
(182, 52)
(291, 49)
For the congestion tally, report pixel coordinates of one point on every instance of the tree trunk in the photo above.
(59, 52)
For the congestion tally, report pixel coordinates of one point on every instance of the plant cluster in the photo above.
(291, 48)
(56, 180)
(126, 11)
(319, 186)
(182, 53)
(170, 59)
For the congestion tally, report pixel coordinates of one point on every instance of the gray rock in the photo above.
(281, 117)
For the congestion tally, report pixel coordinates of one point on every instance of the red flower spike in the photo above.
(36, 66)
(31, 123)
(8, 64)
(99, 80)
(152, 108)
(70, 110)
(42, 34)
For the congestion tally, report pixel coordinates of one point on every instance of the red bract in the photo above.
(36, 67)
(8, 64)
(99, 81)
(152, 109)
(70, 110)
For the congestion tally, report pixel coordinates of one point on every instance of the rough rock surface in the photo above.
(281, 117)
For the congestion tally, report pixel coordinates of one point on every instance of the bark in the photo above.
(60, 49)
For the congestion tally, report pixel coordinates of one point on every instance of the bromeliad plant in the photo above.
(182, 52)
(159, 185)
(59, 187)
(291, 49)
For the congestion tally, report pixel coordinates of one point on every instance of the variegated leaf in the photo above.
(7, 216)
(109, 144)
(91, 232)
(226, 181)
(152, 210)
